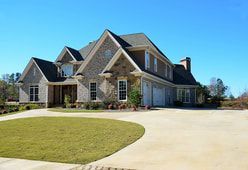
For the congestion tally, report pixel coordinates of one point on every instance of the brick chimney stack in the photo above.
(186, 62)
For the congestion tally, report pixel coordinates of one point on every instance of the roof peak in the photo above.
(35, 58)
(133, 34)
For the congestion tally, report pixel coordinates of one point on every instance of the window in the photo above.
(92, 91)
(147, 60)
(183, 95)
(122, 90)
(108, 54)
(165, 71)
(34, 71)
(66, 70)
(168, 71)
(34, 93)
(155, 64)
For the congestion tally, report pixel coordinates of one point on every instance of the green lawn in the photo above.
(62, 139)
(11, 113)
(73, 110)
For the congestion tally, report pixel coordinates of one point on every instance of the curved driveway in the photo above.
(177, 139)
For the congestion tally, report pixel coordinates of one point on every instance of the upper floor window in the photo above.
(168, 71)
(108, 54)
(34, 93)
(183, 95)
(155, 64)
(66, 70)
(93, 91)
(122, 90)
(165, 71)
(147, 60)
(34, 72)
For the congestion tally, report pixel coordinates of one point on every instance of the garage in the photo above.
(158, 96)
(146, 93)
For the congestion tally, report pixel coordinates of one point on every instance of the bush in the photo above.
(134, 97)
(242, 104)
(200, 105)
(93, 106)
(32, 106)
(109, 101)
(178, 103)
(67, 101)
(29, 106)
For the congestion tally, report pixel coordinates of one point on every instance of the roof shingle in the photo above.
(182, 76)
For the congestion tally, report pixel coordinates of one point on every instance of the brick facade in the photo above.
(92, 71)
(33, 78)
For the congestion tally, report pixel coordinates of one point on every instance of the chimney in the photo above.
(186, 62)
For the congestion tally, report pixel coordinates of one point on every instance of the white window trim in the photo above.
(147, 60)
(185, 89)
(90, 92)
(61, 70)
(34, 93)
(155, 64)
(119, 92)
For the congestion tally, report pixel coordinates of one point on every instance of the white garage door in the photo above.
(146, 93)
(158, 96)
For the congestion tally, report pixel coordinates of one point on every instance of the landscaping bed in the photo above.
(63, 139)
(16, 108)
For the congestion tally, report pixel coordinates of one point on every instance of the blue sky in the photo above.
(213, 33)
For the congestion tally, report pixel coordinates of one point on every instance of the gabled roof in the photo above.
(86, 50)
(48, 69)
(128, 40)
(183, 77)
(105, 34)
(76, 54)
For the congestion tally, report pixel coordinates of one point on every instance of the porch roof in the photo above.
(64, 81)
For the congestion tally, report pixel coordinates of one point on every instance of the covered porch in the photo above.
(57, 93)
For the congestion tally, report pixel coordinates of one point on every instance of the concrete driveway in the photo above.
(177, 139)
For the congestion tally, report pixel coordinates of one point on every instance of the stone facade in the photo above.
(107, 87)
(121, 70)
(33, 77)
(92, 70)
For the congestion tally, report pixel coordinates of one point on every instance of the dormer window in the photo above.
(147, 60)
(66, 70)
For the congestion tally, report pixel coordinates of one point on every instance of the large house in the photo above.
(109, 68)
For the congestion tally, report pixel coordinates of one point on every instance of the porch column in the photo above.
(60, 95)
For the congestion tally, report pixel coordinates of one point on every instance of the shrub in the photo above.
(32, 106)
(199, 105)
(178, 103)
(29, 106)
(242, 104)
(93, 106)
(67, 101)
(109, 101)
(134, 97)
